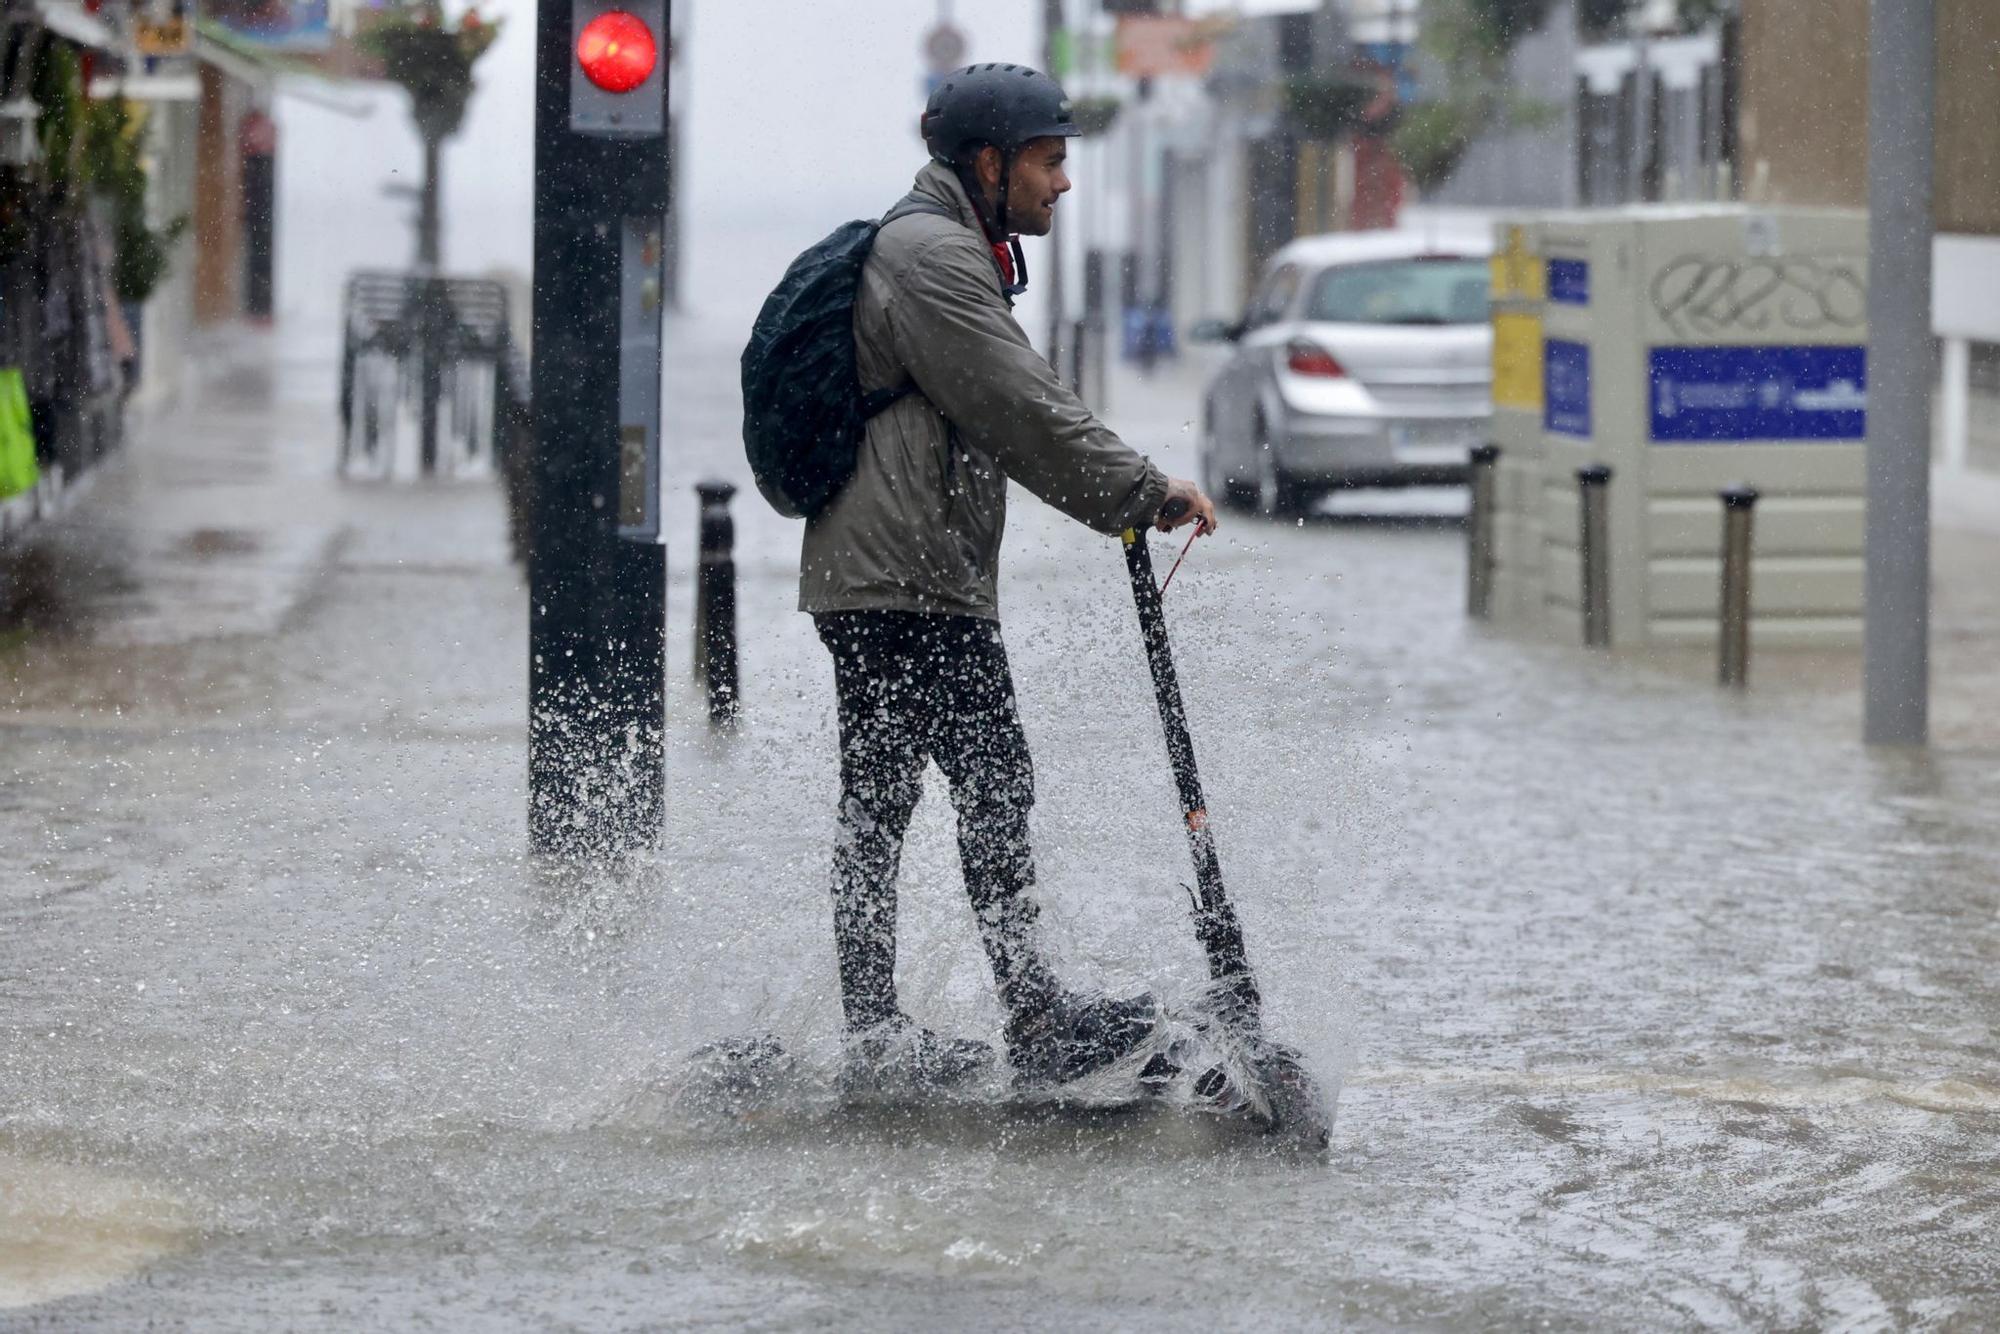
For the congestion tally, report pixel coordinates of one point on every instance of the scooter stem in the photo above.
(1215, 923)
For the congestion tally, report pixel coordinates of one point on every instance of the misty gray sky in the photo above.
(800, 114)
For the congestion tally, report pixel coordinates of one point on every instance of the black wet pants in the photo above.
(914, 688)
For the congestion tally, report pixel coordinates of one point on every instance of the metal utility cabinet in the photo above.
(1687, 349)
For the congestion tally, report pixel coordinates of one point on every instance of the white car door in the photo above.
(1250, 369)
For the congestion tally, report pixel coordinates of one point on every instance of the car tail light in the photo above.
(1307, 358)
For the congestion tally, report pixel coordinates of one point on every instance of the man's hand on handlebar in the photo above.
(1185, 504)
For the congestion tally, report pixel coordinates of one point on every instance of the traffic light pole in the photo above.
(596, 570)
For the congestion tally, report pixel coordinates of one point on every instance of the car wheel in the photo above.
(1277, 496)
(1215, 478)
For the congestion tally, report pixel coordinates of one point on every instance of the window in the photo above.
(1403, 291)
(1275, 297)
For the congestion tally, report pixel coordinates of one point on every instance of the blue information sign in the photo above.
(1707, 394)
(1566, 387)
(1569, 281)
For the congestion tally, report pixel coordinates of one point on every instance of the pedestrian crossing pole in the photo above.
(596, 569)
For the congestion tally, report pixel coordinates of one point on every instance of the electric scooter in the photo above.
(1274, 1087)
(1242, 1072)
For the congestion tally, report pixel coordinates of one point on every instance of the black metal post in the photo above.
(1739, 508)
(1096, 335)
(715, 604)
(260, 216)
(429, 254)
(596, 601)
(1079, 338)
(1594, 550)
(1479, 534)
(432, 323)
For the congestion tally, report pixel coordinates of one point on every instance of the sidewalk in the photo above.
(207, 538)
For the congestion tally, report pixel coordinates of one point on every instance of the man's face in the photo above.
(1038, 181)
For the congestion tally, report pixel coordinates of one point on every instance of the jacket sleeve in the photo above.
(962, 347)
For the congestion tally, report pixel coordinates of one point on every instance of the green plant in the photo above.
(1600, 19)
(1597, 19)
(1094, 115)
(116, 172)
(1698, 14)
(1320, 108)
(1431, 139)
(91, 151)
(1501, 24)
(58, 90)
(431, 61)
(1468, 43)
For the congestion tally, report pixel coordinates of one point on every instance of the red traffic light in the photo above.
(617, 51)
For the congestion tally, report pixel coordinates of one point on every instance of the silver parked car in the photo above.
(1365, 360)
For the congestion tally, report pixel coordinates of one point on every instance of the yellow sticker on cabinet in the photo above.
(1517, 362)
(1518, 273)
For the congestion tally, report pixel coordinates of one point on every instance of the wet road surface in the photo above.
(1646, 1005)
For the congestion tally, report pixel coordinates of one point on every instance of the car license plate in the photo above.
(1431, 442)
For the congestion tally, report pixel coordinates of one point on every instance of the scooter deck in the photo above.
(755, 1078)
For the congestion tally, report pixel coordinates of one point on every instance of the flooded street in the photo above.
(1645, 1004)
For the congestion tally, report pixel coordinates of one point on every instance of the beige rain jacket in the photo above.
(918, 528)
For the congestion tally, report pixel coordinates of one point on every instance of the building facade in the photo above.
(1803, 126)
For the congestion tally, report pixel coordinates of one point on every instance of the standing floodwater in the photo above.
(1643, 1003)
(1634, 1002)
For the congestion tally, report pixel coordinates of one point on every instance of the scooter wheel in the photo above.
(1298, 1110)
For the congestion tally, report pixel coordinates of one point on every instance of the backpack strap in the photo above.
(914, 204)
(873, 405)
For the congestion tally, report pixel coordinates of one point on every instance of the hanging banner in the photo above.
(1149, 48)
(163, 27)
(281, 25)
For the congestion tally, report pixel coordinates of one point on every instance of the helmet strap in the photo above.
(996, 229)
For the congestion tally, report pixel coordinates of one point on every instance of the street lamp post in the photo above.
(1902, 101)
(1052, 27)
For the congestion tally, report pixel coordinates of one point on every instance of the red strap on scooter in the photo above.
(1169, 581)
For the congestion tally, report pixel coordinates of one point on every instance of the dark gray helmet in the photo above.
(1001, 105)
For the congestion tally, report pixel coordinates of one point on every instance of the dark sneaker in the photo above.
(900, 1056)
(1076, 1035)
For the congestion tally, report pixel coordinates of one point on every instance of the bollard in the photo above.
(1479, 534)
(715, 604)
(1594, 547)
(434, 318)
(1739, 508)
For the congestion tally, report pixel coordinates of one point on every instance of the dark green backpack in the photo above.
(803, 410)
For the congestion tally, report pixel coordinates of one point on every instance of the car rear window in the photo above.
(1402, 291)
